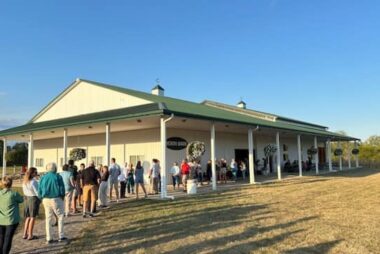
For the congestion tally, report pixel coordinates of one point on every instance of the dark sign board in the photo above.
(176, 143)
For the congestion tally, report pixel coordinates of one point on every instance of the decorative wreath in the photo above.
(77, 154)
(270, 150)
(312, 150)
(195, 150)
(355, 151)
(338, 152)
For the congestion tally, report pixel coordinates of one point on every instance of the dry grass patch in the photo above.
(336, 213)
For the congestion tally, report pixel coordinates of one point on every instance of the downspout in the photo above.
(164, 147)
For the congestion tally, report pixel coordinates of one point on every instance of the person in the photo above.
(130, 180)
(78, 184)
(51, 191)
(10, 214)
(154, 176)
(103, 202)
(199, 172)
(223, 171)
(68, 181)
(175, 174)
(122, 178)
(139, 179)
(74, 170)
(32, 202)
(243, 169)
(234, 169)
(185, 171)
(209, 171)
(114, 171)
(89, 180)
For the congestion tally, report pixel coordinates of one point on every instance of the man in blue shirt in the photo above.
(68, 181)
(115, 171)
(51, 191)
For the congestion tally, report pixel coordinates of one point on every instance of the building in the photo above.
(110, 121)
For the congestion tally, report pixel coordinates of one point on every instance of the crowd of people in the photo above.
(63, 194)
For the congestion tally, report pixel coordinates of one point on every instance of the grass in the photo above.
(336, 213)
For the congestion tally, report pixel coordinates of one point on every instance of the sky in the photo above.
(317, 61)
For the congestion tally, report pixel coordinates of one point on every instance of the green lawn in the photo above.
(336, 213)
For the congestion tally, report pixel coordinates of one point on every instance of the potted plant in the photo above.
(269, 150)
(194, 152)
(338, 152)
(77, 154)
(355, 151)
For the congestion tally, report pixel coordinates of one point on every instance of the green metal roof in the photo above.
(167, 105)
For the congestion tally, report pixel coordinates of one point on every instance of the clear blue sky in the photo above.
(317, 61)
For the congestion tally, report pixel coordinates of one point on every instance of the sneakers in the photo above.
(63, 239)
(50, 242)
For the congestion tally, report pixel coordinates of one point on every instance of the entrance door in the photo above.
(321, 155)
(243, 155)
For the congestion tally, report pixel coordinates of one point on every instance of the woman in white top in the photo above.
(32, 204)
(155, 176)
(175, 174)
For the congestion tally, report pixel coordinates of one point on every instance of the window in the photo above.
(39, 162)
(97, 160)
(135, 158)
(285, 154)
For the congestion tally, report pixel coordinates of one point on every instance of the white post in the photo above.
(299, 154)
(213, 166)
(357, 155)
(30, 151)
(251, 162)
(163, 158)
(108, 143)
(349, 154)
(278, 155)
(316, 155)
(329, 154)
(340, 157)
(65, 146)
(4, 160)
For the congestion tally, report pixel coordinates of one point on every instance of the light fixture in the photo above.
(90, 127)
(227, 126)
(139, 120)
(184, 120)
(22, 135)
(52, 132)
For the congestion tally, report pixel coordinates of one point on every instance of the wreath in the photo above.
(338, 152)
(270, 150)
(312, 151)
(355, 151)
(195, 150)
(77, 154)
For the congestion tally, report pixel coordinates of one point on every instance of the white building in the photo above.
(109, 121)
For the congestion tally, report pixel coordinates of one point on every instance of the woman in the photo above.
(32, 202)
(139, 179)
(234, 169)
(10, 214)
(223, 171)
(175, 174)
(103, 202)
(130, 180)
(122, 178)
(155, 175)
(243, 169)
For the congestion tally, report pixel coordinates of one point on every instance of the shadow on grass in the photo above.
(357, 172)
(318, 248)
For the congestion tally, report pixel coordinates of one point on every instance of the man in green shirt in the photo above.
(9, 214)
(51, 191)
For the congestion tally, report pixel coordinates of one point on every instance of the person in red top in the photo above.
(185, 171)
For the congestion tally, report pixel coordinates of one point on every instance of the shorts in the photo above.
(114, 184)
(139, 180)
(32, 206)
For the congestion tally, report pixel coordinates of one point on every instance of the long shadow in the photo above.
(318, 248)
(359, 172)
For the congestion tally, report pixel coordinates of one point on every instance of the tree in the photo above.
(18, 154)
(373, 140)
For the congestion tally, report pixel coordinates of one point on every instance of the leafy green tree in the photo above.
(18, 154)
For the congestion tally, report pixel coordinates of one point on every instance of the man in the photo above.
(68, 181)
(90, 178)
(185, 171)
(115, 171)
(52, 192)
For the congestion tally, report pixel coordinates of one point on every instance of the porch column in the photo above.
(329, 154)
(349, 154)
(356, 155)
(340, 157)
(65, 146)
(4, 160)
(251, 162)
(30, 151)
(299, 154)
(108, 144)
(316, 156)
(163, 158)
(213, 166)
(278, 155)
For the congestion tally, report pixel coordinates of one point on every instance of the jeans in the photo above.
(123, 186)
(53, 205)
(6, 237)
(175, 180)
(131, 187)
